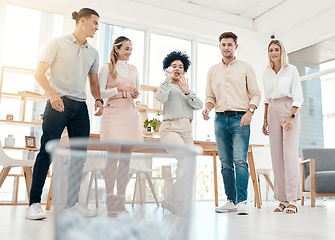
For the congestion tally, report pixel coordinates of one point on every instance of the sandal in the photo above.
(281, 207)
(292, 207)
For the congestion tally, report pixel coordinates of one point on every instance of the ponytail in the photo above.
(113, 57)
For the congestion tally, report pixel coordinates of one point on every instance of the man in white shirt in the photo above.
(71, 60)
(232, 89)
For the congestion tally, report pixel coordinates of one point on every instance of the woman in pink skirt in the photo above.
(119, 84)
(283, 98)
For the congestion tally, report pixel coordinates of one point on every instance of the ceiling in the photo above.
(282, 18)
(262, 16)
(314, 55)
(245, 8)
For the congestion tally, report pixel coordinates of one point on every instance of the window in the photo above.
(328, 109)
(108, 33)
(207, 56)
(160, 46)
(23, 42)
(26, 32)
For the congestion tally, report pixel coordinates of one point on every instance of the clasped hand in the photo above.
(132, 90)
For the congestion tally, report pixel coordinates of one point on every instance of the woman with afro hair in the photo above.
(179, 102)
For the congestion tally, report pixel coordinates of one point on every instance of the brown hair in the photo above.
(228, 35)
(113, 57)
(283, 56)
(85, 13)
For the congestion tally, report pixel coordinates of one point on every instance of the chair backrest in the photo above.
(95, 162)
(139, 163)
(3, 155)
(6, 161)
(324, 159)
(262, 158)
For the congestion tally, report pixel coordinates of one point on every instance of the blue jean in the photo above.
(233, 142)
(75, 117)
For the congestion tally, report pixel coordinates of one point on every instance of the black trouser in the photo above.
(75, 117)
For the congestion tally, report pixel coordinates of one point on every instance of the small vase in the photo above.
(9, 141)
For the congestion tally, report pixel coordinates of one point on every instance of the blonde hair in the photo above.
(113, 57)
(283, 56)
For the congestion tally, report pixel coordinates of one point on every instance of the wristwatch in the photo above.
(292, 115)
(251, 110)
(100, 100)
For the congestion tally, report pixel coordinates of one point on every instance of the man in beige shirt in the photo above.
(233, 91)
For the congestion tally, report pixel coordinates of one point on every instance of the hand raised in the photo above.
(183, 84)
(168, 74)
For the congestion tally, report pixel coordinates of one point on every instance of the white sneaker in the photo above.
(242, 208)
(82, 210)
(35, 212)
(229, 206)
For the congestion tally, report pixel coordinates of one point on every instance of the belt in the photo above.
(231, 113)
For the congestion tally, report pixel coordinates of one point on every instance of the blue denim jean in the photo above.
(75, 117)
(233, 142)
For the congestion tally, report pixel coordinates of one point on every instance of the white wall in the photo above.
(2, 21)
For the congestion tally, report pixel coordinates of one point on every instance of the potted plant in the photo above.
(153, 123)
(146, 125)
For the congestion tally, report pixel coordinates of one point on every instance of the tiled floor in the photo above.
(310, 223)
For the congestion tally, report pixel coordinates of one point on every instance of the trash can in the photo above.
(111, 215)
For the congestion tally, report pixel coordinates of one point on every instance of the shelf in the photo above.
(150, 110)
(27, 95)
(21, 123)
(15, 69)
(148, 88)
(22, 148)
(150, 134)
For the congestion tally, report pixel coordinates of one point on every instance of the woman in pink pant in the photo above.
(283, 98)
(119, 84)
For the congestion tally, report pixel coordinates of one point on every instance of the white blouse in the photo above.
(286, 83)
(122, 68)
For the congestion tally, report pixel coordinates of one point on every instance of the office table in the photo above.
(210, 149)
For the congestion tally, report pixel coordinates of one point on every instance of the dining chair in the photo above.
(139, 167)
(7, 163)
(263, 166)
